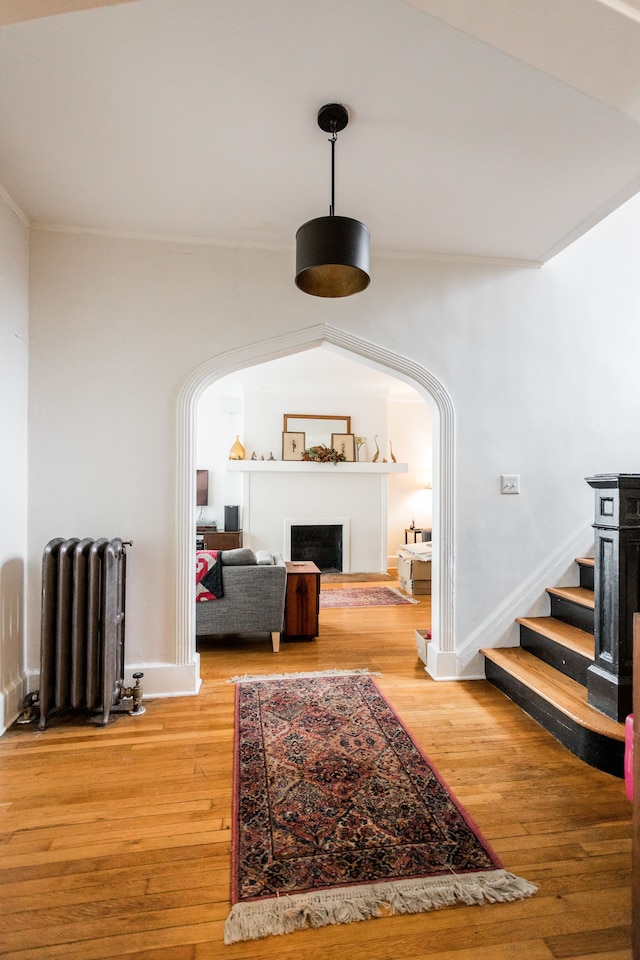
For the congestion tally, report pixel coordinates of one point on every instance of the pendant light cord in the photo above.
(333, 138)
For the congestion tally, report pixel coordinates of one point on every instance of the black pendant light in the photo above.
(332, 253)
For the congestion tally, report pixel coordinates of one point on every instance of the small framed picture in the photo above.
(292, 446)
(345, 443)
(362, 453)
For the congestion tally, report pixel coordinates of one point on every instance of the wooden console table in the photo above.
(219, 539)
(302, 602)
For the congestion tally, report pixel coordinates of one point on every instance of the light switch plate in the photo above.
(510, 483)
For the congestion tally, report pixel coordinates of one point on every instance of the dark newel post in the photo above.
(617, 591)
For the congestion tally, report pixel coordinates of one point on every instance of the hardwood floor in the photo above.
(116, 841)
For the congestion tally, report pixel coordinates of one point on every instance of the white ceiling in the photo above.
(504, 133)
(320, 371)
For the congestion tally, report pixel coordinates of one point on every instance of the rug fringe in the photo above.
(280, 915)
(246, 677)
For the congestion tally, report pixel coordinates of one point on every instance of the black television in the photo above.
(202, 488)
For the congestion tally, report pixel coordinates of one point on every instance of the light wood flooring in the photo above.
(115, 842)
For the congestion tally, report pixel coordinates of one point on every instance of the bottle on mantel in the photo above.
(237, 451)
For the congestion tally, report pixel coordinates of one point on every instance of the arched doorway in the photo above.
(441, 663)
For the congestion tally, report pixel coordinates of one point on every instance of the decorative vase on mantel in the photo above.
(237, 451)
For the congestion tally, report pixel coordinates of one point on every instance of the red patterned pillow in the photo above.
(208, 575)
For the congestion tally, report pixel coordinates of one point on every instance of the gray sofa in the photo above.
(254, 588)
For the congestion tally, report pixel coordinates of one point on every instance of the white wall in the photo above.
(219, 420)
(410, 433)
(540, 366)
(14, 279)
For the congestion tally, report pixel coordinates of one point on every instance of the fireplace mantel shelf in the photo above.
(304, 466)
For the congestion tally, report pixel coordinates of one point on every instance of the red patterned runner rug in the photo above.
(363, 597)
(338, 815)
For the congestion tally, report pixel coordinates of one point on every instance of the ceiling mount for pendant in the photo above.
(333, 117)
(332, 253)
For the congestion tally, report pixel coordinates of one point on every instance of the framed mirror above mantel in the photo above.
(317, 428)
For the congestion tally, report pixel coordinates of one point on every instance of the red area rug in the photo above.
(338, 814)
(363, 597)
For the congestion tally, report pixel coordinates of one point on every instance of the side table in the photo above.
(302, 602)
(420, 534)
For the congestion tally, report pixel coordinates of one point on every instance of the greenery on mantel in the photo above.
(323, 454)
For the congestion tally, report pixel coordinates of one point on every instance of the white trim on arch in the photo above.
(441, 651)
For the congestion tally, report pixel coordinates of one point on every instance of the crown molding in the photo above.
(10, 202)
(187, 240)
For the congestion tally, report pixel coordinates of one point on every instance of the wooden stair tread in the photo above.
(586, 561)
(560, 632)
(565, 694)
(579, 595)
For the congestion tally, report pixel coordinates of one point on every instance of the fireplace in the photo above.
(323, 541)
(321, 544)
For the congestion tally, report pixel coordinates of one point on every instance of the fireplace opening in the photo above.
(320, 543)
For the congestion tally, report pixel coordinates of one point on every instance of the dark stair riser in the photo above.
(573, 613)
(596, 750)
(566, 661)
(586, 577)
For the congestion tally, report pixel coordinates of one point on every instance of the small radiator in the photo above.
(83, 627)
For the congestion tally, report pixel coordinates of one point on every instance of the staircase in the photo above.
(547, 675)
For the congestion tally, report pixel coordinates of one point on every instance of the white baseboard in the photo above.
(11, 700)
(166, 679)
(441, 664)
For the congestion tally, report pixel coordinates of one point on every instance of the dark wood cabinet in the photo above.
(302, 603)
(218, 539)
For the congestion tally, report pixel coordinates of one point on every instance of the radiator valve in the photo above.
(30, 708)
(136, 693)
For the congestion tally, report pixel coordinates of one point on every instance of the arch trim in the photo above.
(441, 650)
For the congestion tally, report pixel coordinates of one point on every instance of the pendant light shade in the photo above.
(332, 257)
(332, 253)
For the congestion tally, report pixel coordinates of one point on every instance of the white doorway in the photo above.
(443, 658)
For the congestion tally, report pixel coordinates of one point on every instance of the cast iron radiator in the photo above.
(83, 628)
